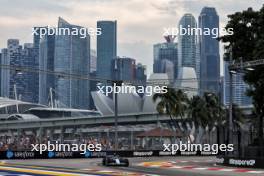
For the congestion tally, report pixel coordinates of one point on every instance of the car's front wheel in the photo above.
(126, 163)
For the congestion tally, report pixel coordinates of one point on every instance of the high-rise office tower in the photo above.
(46, 62)
(17, 83)
(187, 41)
(11, 78)
(124, 68)
(0, 72)
(5, 74)
(166, 51)
(209, 52)
(36, 42)
(167, 66)
(72, 56)
(156, 58)
(36, 38)
(239, 88)
(93, 61)
(141, 73)
(106, 48)
(31, 86)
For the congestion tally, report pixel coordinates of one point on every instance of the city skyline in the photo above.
(136, 36)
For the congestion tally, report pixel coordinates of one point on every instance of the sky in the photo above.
(140, 23)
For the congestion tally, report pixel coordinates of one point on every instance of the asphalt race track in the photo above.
(163, 166)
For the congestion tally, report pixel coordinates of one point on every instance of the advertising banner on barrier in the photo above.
(9, 154)
(240, 162)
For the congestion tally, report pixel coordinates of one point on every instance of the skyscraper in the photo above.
(16, 83)
(46, 62)
(5, 74)
(239, 88)
(0, 72)
(141, 73)
(31, 83)
(72, 56)
(187, 42)
(166, 51)
(124, 68)
(106, 48)
(11, 78)
(209, 52)
(36, 42)
(93, 61)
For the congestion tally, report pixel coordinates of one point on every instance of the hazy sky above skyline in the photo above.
(140, 22)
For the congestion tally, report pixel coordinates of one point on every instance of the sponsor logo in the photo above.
(143, 153)
(242, 162)
(9, 154)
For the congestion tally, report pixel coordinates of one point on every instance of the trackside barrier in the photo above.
(9, 154)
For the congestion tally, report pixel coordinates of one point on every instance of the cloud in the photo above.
(23, 9)
(140, 22)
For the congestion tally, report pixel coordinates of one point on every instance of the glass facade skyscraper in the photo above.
(46, 62)
(31, 82)
(24, 84)
(72, 56)
(124, 68)
(0, 72)
(14, 79)
(165, 51)
(141, 73)
(93, 61)
(209, 52)
(239, 88)
(106, 48)
(5, 74)
(187, 42)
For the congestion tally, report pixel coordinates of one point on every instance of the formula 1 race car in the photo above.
(115, 160)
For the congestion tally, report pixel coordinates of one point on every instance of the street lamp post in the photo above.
(242, 67)
(117, 83)
(230, 119)
(116, 121)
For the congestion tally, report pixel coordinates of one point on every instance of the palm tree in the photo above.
(172, 103)
(181, 104)
(216, 112)
(197, 111)
(206, 111)
(166, 102)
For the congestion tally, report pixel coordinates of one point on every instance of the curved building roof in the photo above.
(22, 117)
(9, 106)
(129, 103)
(187, 79)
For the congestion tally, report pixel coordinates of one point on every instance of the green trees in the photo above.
(247, 44)
(197, 111)
(172, 103)
(204, 111)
